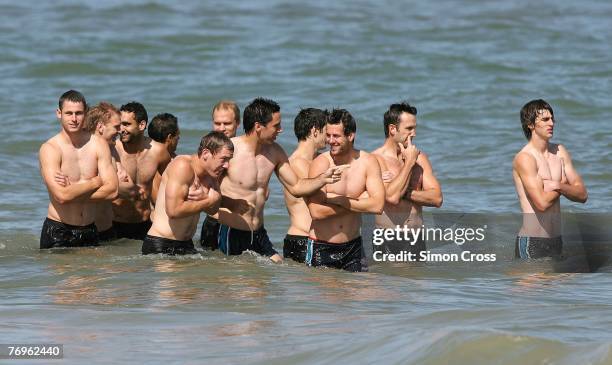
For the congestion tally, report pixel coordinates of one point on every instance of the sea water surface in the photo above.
(468, 67)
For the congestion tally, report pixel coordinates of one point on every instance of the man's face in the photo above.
(337, 141)
(224, 121)
(71, 116)
(218, 163)
(130, 128)
(173, 142)
(406, 128)
(110, 130)
(543, 125)
(269, 133)
(320, 138)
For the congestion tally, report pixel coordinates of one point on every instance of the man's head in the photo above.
(310, 123)
(164, 129)
(340, 132)
(133, 121)
(71, 111)
(104, 120)
(400, 122)
(215, 151)
(226, 117)
(262, 116)
(537, 117)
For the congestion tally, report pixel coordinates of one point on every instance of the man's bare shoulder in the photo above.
(321, 162)
(379, 151)
(367, 157)
(523, 159)
(52, 144)
(423, 158)
(180, 168)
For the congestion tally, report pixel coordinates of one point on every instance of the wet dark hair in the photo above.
(306, 119)
(162, 126)
(259, 110)
(214, 142)
(395, 111)
(529, 113)
(338, 116)
(74, 96)
(138, 109)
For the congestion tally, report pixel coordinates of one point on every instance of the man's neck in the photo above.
(77, 139)
(539, 144)
(135, 145)
(344, 158)
(306, 149)
(391, 147)
(252, 142)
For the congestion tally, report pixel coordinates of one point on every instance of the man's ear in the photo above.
(392, 129)
(142, 125)
(351, 137)
(99, 127)
(58, 113)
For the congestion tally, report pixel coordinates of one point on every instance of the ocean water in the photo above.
(467, 66)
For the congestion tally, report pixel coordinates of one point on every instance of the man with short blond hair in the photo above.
(226, 117)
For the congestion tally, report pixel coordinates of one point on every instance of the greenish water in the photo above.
(467, 66)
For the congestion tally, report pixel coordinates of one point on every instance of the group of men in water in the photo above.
(107, 180)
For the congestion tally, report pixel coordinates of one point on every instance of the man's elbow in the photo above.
(584, 197)
(438, 200)
(172, 213)
(541, 206)
(393, 199)
(61, 199)
(378, 206)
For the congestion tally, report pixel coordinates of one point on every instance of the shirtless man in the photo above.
(189, 185)
(141, 158)
(256, 157)
(542, 172)
(225, 119)
(163, 129)
(309, 128)
(104, 121)
(85, 164)
(408, 176)
(335, 232)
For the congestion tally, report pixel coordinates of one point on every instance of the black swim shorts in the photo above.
(58, 234)
(234, 241)
(209, 234)
(537, 247)
(346, 256)
(134, 231)
(152, 245)
(107, 235)
(294, 247)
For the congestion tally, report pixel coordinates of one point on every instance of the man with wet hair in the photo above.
(226, 118)
(77, 170)
(543, 172)
(309, 128)
(141, 158)
(163, 129)
(256, 157)
(335, 231)
(408, 177)
(189, 186)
